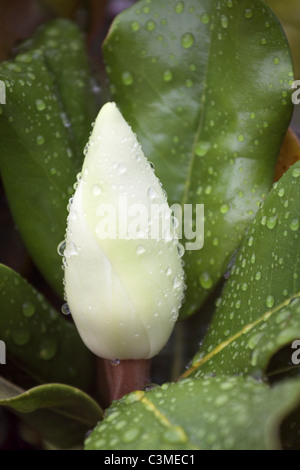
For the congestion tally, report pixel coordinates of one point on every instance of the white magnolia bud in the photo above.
(123, 280)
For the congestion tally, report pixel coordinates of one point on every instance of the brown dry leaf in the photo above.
(289, 154)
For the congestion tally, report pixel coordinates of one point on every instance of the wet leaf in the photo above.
(60, 413)
(42, 128)
(212, 136)
(288, 13)
(259, 310)
(212, 413)
(40, 343)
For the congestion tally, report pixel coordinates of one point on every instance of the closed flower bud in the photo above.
(123, 274)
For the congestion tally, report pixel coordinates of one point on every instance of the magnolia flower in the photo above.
(123, 277)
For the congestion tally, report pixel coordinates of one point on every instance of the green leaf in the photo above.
(43, 127)
(259, 310)
(207, 88)
(288, 12)
(212, 413)
(40, 343)
(66, 59)
(60, 413)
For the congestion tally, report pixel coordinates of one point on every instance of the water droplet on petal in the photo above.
(180, 249)
(96, 190)
(65, 309)
(151, 193)
(140, 249)
(61, 248)
(122, 168)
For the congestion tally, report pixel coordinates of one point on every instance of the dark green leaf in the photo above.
(39, 341)
(259, 311)
(60, 413)
(43, 127)
(207, 88)
(212, 413)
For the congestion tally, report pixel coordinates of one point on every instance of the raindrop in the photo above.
(40, 140)
(263, 220)
(167, 75)
(28, 309)
(140, 249)
(169, 271)
(187, 40)
(224, 21)
(258, 275)
(20, 336)
(250, 241)
(48, 348)
(224, 208)
(131, 435)
(122, 168)
(61, 248)
(296, 172)
(115, 362)
(65, 309)
(174, 435)
(179, 7)
(294, 225)
(205, 18)
(150, 25)
(127, 78)
(202, 148)
(176, 283)
(206, 280)
(135, 26)
(270, 301)
(40, 104)
(272, 222)
(281, 192)
(150, 386)
(96, 190)
(151, 193)
(248, 13)
(180, 249)
(276, 60)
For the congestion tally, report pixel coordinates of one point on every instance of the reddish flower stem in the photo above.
(118, 380)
